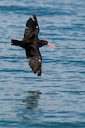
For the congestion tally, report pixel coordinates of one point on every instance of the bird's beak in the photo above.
(51, 45)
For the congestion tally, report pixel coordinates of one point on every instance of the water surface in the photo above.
(57, 98)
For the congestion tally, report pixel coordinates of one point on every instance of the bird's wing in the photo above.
(32, 23)
(35, 62)
(32, 28)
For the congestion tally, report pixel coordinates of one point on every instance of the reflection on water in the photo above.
(30, 110)
(31, 99)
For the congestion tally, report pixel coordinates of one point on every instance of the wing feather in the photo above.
(35, 64)
(32, 28)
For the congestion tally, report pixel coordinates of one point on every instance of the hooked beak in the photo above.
(51, 45)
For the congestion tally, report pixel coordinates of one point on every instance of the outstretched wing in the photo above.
(35, 64)
(32, 28)
(33, 23)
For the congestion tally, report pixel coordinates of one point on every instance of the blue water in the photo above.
(57, 98)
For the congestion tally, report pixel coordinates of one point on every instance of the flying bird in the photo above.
(31, 43)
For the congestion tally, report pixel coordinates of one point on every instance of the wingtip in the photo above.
(39, 72)
(34, 15)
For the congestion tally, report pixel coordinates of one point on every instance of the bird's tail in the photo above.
(17, 43)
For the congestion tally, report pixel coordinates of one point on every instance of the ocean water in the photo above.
(57, 98)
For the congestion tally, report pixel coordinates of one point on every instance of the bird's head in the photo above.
(45, 42)
(49, 44)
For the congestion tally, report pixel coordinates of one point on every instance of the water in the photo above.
(57, 98)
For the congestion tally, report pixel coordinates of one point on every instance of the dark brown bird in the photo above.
(31, 44)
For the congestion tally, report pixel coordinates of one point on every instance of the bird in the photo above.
(31, 44)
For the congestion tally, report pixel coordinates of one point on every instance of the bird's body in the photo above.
(31, 44)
